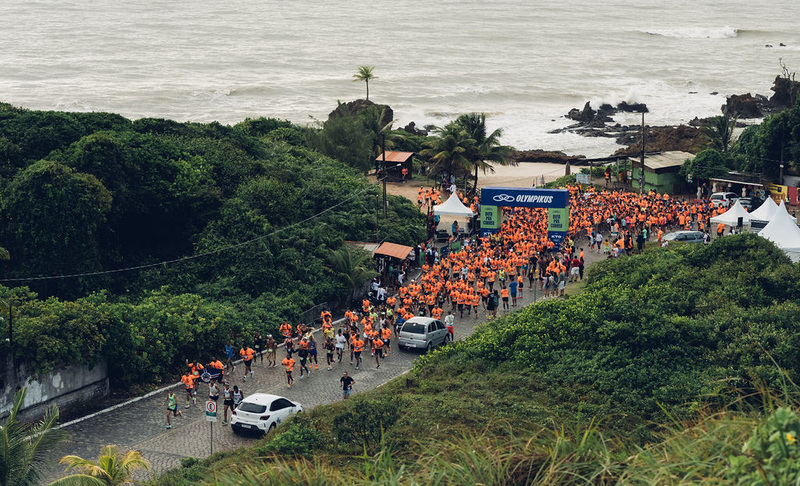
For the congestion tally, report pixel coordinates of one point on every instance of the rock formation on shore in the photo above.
(662, 139)
(355, 107)
(545, 156)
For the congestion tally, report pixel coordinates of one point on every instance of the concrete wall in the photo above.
(62, 387)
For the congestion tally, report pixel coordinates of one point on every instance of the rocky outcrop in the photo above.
(412, 129)
(786, 90)
(744, 106)
(544, 156)
(355, 107)
(662, 139)
(590, 117)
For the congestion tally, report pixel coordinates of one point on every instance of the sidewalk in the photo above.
(141, 425)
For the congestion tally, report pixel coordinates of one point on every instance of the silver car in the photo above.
(685, 236)
(422, 333)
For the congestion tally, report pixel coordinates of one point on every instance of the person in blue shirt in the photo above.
(229, 355)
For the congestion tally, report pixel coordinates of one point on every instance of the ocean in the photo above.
(524, 63)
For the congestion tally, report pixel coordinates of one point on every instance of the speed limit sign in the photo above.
(211, 411)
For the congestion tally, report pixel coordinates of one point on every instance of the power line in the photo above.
(191, 257)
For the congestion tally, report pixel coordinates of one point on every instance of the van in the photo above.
(422, 333)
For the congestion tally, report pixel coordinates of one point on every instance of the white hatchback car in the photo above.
(724, 199)
(260, 413)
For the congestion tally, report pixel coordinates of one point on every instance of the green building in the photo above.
(661, 172)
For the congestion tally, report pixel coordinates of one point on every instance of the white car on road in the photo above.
(260, 412)
(724, 199)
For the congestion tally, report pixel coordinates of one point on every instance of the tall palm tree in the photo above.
(22, 450)
(487, 150)
(111, 469)
(365, 74)
(450, 149)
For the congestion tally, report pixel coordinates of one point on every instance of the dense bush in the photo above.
(666, 328)
(247, 213)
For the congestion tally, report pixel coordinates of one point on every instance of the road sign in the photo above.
(211, 411)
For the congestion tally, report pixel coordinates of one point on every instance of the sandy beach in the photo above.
(522, 175)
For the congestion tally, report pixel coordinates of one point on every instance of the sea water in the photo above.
(524, 63)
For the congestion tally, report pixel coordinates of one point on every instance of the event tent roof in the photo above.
(394, 250)
(783, 231)
(453, 207)
(765, 212)
(782, 208)
(732, 215)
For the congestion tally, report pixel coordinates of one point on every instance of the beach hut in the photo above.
(395, 163)
(660, 171)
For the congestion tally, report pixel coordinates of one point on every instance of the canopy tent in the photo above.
(453, 207)
(765, 212)
(394, 250)
(783, 231)
(732, 215)
(782, 209)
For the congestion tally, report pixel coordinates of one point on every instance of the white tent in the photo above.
(765, 212)
(732, 215)
(453, 207)
(782, 209)
(783, 231)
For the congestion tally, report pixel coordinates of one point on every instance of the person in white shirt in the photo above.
(449, 319)
(341, 341)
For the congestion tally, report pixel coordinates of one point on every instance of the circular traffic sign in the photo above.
(211, 406)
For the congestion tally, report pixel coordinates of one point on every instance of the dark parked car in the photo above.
(750, 203)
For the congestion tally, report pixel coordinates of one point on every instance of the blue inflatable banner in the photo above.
(524, 198)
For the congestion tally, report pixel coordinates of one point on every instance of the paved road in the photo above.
(141, 425)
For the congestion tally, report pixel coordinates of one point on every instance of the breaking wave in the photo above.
(726, 32)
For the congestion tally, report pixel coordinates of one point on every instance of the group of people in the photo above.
(486, 274)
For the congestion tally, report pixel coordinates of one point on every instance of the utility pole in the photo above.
(641, 171)
(783, 135)
(384, 174)
(377, 227)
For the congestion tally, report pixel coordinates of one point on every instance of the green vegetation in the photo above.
(252, 219)
(112, 468)
(22, 448)
(671, 367)
(365, 74)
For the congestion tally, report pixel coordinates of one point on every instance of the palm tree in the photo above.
(352, 267)
(365, 74)
(487, 150)
(450, 149)
(22, 449)
(111, 469)
(719, 132)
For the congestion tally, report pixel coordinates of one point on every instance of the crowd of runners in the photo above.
(487, 275)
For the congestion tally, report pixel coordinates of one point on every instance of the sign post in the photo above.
(211, 416)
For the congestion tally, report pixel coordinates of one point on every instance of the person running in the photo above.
(188, 381)
(272, 348)
(288, 364)
(358, 347)
(238, 396)
(286, 330)
(288, 343)
(504, 293)
(172, 407)
(229, 355)
(512, 290)
(341, 341)
(216, 369)
(258, 345)
(347, 385)
(449, 321)
(386, 337)
(377, 350)
(227, 402)
(247, 354)
(312, 350)
(329, 347)
(213, 391)
(302, 353)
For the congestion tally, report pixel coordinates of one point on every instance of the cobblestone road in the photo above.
(141, 425)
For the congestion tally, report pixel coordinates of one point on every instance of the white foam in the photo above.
(726, 32)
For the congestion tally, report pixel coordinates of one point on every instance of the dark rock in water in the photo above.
(429, 128)
(606, 107)
(786, 90)
(714, 93)
(355, 107)
(589, 117)
(692, 92)
(742, 106)
(632, 107)
(767, 45)
(412, 129)
(782, 44)
(545, 156)
(695, 122)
